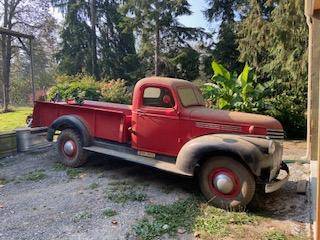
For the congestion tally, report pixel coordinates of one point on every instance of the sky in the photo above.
(197, 18)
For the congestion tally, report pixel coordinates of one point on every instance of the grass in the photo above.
(167, 219)
(107, 213)
(3, 181)
(12, 120)
(36, 175)
(125, 191)
(275, 235)
(74, 172)
(93, 186)
(59, 167)
(82, 216)
(279, 235)
(190, 215)
(71, 172)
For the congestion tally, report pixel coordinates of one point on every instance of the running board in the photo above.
(165, 166)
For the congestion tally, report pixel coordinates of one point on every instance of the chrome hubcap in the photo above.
(69, 148)
(223, 183)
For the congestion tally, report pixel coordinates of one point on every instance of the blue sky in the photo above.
(197, 18)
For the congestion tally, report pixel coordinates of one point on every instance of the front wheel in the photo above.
(70, 149)
(226, 183)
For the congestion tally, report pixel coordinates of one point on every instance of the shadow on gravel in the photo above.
(284, 204)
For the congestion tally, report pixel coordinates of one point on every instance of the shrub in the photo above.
(290, 110)
(115, 91)
(231, 91)
(78, 87)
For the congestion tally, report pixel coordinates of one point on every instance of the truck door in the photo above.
(157, 127)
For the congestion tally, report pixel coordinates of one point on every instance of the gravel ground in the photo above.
(49, 204)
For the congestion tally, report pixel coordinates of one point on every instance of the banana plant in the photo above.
(230, 91)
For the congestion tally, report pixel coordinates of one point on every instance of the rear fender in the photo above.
(199, 149)
(72, 122)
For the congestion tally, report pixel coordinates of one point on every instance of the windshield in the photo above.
(190, 97)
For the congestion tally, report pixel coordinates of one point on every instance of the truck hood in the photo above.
(235, 118)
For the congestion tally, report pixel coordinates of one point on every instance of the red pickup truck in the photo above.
(168, 127)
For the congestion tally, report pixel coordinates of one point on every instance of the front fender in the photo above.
(249, 150)
(73, 122)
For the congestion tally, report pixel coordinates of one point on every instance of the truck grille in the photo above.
(275, 134)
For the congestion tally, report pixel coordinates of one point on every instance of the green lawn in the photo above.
(12, 120)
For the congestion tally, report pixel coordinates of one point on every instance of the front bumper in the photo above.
(276, 184)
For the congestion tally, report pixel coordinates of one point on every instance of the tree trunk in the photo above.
(6, 59)
(157, 50)
(93, 9)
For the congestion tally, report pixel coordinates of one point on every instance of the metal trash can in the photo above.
(31, 138)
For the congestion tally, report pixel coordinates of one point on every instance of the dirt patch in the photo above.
(108, 199)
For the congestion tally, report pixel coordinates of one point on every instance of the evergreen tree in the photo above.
(104, 47)
(225, 50)
(157, 25)
(273, 39)
(117, 44)
(74, 54)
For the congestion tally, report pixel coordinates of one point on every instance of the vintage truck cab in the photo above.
(168, 127)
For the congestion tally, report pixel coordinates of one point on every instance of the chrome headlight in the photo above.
(272, 147)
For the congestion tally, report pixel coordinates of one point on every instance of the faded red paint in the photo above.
(155, 129)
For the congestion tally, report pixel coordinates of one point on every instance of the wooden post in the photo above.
(313, 88)
(32, 70)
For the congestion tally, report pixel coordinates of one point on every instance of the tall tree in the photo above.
(156, 22)
(252, 34)
(21, 15)
(118, 57)
(74, 55)
(105, 47)
(225, 49)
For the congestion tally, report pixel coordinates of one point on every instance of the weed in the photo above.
(74, 172)
(93, 186)
(82, 216)
(3, 181)
(190, 215)
(59, 167)
(107, 213)
(36, 175)
(124, 197)
(167, 219)
(218, 221)
(275, 235)
(125, 191)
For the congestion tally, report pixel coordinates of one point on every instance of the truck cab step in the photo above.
(131, 157)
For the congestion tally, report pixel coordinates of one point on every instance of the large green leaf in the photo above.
(243, 78)
(220, 70)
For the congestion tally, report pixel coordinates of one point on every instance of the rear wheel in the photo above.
(226, 183)
(70, 149)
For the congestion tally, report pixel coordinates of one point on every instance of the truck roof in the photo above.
(169, 82)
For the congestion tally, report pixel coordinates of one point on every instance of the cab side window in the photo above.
(158, 97)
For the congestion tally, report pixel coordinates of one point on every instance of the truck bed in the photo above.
(107, 121)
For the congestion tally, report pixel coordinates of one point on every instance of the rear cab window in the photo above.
(158, 97)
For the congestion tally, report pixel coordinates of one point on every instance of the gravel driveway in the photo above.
(40, 199)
